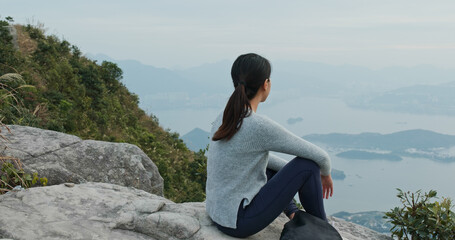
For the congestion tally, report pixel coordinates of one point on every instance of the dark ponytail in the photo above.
(249, 71)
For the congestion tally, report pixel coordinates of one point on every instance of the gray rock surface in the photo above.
(108, 211)
(66, 158)
(354, 231)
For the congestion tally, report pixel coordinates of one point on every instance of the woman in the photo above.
(247, 188)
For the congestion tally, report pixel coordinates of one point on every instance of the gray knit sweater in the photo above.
(236, 168)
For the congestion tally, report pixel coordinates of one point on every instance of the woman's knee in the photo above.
(304, 163)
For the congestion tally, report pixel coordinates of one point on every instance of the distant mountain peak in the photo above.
(196, 130)
(196, 139)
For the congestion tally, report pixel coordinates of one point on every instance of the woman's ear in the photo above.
(266, 89)
(265, 85)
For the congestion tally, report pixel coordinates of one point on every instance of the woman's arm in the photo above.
(274, 137)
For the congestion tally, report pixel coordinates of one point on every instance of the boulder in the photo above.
(108, 211)
(66, 158)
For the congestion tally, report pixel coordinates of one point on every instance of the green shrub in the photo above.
(12, 174)
(419, 218)
(12, 91)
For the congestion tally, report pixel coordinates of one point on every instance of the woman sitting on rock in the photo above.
(247, 187)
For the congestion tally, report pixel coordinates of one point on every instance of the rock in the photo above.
(354, 231)
(18, 188)
(371, 219)
(108, 211)
(64, 158)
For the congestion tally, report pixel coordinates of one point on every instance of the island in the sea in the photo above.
(415, 143)
(366, 155)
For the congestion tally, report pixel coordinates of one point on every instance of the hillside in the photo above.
(55, 87)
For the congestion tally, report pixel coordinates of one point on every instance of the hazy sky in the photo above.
(172, 33)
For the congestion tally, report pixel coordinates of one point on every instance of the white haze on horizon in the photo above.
(182, 34)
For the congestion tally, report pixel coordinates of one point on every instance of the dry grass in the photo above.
(6, 185)
(4, 159)
(26, 45)
(3, 139)
(10, 92)
(17, 165)
(15, 161)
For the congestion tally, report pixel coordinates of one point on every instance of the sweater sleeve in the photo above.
(274, 137)
(275, 162)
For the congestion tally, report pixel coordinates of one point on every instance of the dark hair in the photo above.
(249, 72)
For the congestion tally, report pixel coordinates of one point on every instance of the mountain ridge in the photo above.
(209, 85)
(416, 143)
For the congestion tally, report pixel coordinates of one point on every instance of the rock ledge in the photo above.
(108, 211)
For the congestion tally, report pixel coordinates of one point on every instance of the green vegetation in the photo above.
(12, 174)
(72, 94)
(421, 219)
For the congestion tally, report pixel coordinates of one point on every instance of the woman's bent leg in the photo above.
(310, 195)
(291, 207)
(299, 175)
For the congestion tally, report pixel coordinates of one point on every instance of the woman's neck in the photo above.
(254, 103)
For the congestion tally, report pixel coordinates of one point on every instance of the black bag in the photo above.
(306, 226)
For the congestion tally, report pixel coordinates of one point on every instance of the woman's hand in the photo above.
(327, 186)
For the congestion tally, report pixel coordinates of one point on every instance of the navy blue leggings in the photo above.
(299, 175)
(292, 207)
